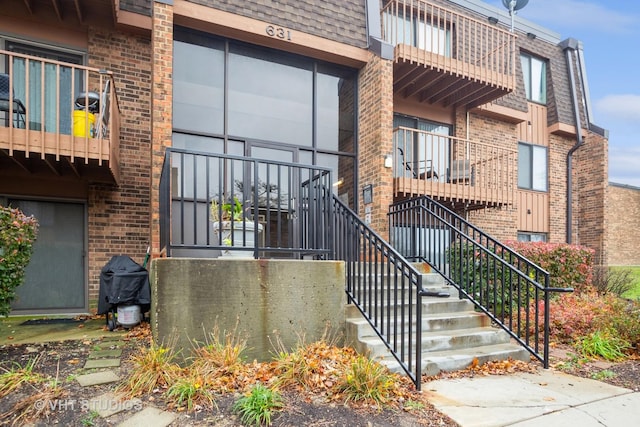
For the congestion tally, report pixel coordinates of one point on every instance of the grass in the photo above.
(603, 375)
(190, 391)
(154, 367)
(633, 293)
(257, 407)
(368, 380)
(604, 344)
(11, 379)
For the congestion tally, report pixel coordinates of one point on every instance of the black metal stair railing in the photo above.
(214, 204)
(384, 286)
(512, 290)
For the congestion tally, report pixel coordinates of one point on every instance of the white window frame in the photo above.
(525, 236)
(534, 72)
(538, 167)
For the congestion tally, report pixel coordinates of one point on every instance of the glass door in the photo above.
(55, 276)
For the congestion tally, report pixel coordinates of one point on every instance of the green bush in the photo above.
(17, 234)
(483, 277)
(570, 266)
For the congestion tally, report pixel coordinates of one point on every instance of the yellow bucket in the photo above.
(83, 126)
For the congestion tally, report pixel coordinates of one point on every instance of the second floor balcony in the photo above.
(463, 172)
(58, 118)
(446, 58)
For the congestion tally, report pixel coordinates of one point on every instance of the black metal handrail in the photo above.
(384, 286)
(512, 290)
(213, 204)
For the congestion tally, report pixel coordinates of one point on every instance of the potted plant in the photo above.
(232, 228)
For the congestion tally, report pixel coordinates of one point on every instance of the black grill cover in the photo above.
(123, 281)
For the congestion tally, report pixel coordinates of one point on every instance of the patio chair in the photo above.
(18, 109)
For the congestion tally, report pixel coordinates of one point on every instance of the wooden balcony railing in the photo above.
(445, 57)
(65, 115)
(453, 169)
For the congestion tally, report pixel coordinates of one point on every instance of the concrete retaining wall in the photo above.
(265, 298)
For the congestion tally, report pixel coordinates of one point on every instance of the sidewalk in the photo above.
(549, 398)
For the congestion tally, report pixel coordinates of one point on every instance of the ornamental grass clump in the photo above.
(257, 407)
(154, 367)
(604, 344)
(190, 391)
(366, 379)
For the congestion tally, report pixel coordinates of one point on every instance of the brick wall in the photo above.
(161, 107)
(623, 224)
(558, 149)
(343, 21)
(118, 218)
(375, 139)
(590, 190)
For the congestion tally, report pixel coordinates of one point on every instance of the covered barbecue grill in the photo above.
(123, 283)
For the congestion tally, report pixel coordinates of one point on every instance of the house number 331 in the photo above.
(278, 32)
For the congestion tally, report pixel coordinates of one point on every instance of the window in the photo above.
(532, 237)
(534, 71)
(235, 98)
(532, 167)
(410, 30)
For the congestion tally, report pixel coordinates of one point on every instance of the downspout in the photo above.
(570, 45)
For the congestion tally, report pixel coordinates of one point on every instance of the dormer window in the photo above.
(534, 71)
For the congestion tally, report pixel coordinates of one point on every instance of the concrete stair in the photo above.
(453, 333)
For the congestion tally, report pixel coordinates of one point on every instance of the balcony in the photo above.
(445, 58)
(455, 170)
(58, 119)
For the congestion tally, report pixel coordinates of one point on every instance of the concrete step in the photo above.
(428, 279)
(453, 360)
(441, 341)
(359, 328)
(430, 305)
(453, 335)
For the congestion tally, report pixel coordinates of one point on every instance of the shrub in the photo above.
(607, 280)
(624, 318)
(17, 234)
(570, 266)
(482, 276)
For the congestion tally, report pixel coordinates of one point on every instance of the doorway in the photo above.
(55, 279)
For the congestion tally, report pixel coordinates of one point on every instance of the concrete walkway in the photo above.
(549, 398)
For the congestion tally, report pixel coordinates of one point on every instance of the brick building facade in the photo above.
(136, 45)
(623, 224)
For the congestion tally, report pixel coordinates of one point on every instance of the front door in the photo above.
(55, 277)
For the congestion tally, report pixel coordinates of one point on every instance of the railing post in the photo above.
(418, 380)
(546, 322)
